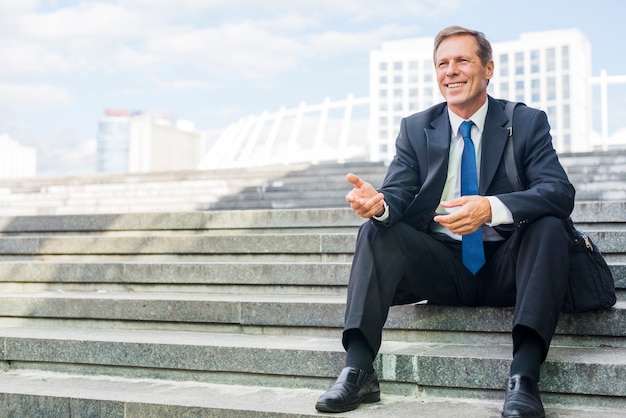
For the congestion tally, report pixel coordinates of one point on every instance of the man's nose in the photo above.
(452, 68)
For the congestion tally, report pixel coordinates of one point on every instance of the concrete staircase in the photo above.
(274, 187)
(238, 313)
(597, 176)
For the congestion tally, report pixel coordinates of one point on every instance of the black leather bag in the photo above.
(591, 285)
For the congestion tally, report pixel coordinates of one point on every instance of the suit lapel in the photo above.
(493, 141)
(438, 140)
(437, 145)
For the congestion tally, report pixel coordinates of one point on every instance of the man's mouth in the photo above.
(455, 85)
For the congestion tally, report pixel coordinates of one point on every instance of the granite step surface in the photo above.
(28, 393)
(576, 376)
(291, 312)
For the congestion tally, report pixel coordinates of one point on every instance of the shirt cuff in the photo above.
(500, 214)
(385, 214)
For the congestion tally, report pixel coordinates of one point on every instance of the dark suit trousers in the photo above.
(399, 265)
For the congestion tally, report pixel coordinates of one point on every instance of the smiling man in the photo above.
(447, 227)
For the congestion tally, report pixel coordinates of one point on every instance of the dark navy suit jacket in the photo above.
(416, 176)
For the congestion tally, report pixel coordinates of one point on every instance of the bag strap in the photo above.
(509, 152)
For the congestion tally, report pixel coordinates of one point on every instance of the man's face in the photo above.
(461, 76)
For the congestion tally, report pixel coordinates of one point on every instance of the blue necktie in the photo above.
(472, 244)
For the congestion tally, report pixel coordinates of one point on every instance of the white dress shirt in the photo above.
(500, 214)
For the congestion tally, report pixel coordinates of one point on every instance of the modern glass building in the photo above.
(113, 142)
(137, 142)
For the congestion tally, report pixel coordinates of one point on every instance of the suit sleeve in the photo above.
(548, 190)
(402, 181)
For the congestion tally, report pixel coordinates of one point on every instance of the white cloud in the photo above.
(17, 7)
(33, 96)
(27, 58)
(242, 49)
(182, 85)
(237, 37)
(335, 42)
(82, 24)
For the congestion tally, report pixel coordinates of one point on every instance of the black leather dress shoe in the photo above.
(352, 388)
(522, 398)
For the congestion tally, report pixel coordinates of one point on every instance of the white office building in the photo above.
(137, 142)
(548, 70)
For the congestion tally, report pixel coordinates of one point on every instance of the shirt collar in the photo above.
(478, 118)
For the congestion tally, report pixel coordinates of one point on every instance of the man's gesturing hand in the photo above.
(474, 212)
(363, 198)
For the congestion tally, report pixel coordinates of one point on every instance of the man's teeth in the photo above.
(455, 85)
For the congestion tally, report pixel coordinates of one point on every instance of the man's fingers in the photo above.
(355, 180)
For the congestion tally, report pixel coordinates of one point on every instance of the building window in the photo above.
(519, 91)
(534, 61)
(397, 79)
(504, 90)
(535, 91)
(383, 93)
(566, 117)
(551, 88)
(397, 66)
(565, 87)
(519, 63)
(504, 65)
(565, 57)
(413, 65)
(382, 66)
(550, 59)
(383, 79)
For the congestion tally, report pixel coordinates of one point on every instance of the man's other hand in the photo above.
(364, 199)
(473, 212)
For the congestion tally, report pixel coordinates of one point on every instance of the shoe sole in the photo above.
(369, 398)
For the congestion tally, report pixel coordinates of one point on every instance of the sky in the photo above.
(63, 62)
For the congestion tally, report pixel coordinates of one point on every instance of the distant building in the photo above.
(16, 160)
(138, 142)
(548, 70)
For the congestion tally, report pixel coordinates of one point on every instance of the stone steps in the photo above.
(301, 361)
(596, 176)
(187, 313)
(111, 397)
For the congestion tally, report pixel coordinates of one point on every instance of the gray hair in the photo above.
(483, 49)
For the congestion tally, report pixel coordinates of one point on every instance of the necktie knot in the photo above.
(465, 129)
